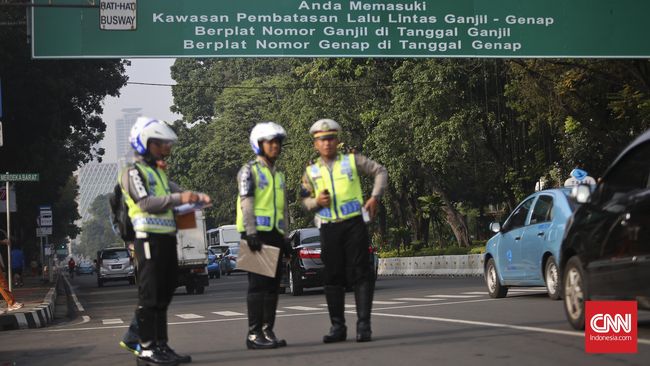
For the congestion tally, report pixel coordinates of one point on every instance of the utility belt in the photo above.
(146, 235)
(331, 223)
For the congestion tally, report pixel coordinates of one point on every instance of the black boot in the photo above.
(270, 306)
(363, 293)
(155, 355)
(180, 358)
(335, 296)
(146, 323)
(256, 338)
(162, 338)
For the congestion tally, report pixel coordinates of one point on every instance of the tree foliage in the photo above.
(51, 125)
(463, 140)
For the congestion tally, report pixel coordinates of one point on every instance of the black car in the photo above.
(606, 247)
(305, 268)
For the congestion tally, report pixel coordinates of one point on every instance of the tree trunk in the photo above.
(455, 220)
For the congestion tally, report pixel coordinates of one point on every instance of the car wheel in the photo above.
(200, 290)
(552, 279)
(131, 281)
(189, 289)
(575, 293)
(495, 289)
(217, 274)
(294, 284)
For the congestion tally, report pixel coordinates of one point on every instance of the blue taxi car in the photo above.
(526, 250)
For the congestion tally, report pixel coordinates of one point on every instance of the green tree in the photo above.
(51, 124)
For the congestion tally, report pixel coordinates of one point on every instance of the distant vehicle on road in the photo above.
(114, 264)
(305, 268)
(606, 249)
(526, 250)
(85, 268)
(213, 264)
(223, 235)
(228, 262)
(192, 251)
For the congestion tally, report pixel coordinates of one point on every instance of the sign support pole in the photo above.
(9, 279)
(42, 257)
(51, 261)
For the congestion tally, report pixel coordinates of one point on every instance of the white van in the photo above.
(224, 235)
(193, 256)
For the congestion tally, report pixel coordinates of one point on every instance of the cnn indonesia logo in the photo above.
(611, 327)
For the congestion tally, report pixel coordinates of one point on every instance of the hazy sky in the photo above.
(154, 100)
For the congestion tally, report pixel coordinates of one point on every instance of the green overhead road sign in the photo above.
(19, 177)
(335, 28)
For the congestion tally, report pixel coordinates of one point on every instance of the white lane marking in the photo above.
(280, 316)
(303, 308)
(112, 321)
(639, 341)
(495, 325)
(189, 316)
(227, 313)
(453, 296)
(280, 311)
(377, 302)
(80, 308)
(346, 305)
(485, 324)
(416, 299)
(476, 293)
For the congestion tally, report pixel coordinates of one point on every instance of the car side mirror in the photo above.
(495, 227)
(581, 193)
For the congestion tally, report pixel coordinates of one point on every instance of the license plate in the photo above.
(116, 266)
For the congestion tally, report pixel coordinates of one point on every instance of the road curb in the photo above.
(442, 265)
(32, 315)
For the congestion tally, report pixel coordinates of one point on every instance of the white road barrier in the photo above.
(443, 265)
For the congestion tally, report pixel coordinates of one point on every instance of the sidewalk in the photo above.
(39, 299)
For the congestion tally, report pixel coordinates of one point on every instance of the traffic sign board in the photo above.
(19, 177)
(43, 231)
(45, 216)
(387, 28)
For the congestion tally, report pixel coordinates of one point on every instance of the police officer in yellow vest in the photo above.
(262, 214)
(150, 197)
(332, 188)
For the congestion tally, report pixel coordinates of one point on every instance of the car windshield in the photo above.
(234, 250)
(219, 250)
(121, 254)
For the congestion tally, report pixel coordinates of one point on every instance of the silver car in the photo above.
(114, 264)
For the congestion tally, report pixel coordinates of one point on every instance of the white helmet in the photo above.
(265, 131)
(146, 128)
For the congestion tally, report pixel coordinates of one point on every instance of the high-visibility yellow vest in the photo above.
(343, 185)
(269, 200)
(157, 183)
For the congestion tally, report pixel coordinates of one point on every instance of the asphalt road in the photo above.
(416, 321)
